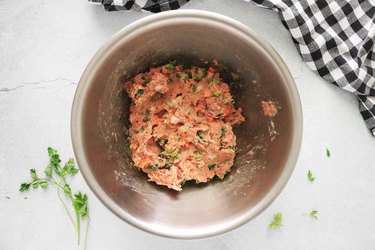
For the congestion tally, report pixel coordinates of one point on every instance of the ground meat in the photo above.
(181, 124)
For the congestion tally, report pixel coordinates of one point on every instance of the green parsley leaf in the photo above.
(314, 213)
(147, 115)
(67, 190)
(24, 186)
(69, 168)
(194, 88)
(215, 80)
(217, 93)
(277, 221)
(223, 132)
(170, 66)
(48, 171)
(211, 166)
(43, 184)
(197, 78)
(79, 201)
(54, 159)
(168, 165)
(80, 204)
(153, 167)
(33, 174)
(35, 185)
(204, 72)
(182, 182)
(184, 76)
(228, 100)
(198, 155)
(170, 154)
(139, 93)
(328, 153)
(310, 177)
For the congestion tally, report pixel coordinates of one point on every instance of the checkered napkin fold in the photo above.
(334, 37)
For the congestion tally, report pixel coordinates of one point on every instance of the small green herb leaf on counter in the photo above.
(310, 176)
(277, 221)
(328, 153)
(78, 201)
(314, 213)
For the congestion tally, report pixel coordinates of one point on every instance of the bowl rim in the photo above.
(191, 233)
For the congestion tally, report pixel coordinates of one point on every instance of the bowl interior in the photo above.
(264, 144)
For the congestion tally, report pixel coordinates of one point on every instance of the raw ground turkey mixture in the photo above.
(181, 124)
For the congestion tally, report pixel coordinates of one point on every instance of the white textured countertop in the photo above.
(45, 46)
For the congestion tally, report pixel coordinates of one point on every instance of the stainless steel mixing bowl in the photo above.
(267, 147)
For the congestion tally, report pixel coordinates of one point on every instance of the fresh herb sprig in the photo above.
(310, 176)
(328, 153)
(314, 214)
(78, 200)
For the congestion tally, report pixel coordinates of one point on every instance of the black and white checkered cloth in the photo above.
(147, 5)
(334, 37)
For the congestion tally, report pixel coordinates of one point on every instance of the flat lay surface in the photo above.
(46, 45)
